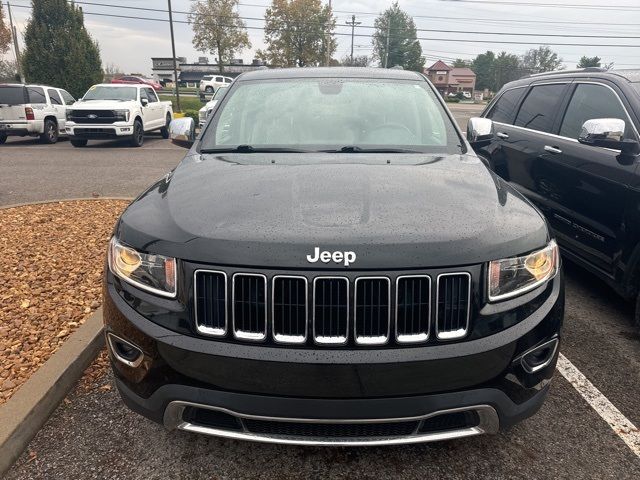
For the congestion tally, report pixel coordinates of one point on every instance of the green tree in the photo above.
(5, 33)
(358, 61)
(589, 62)
(298, 33)
(506, 68)
(460, 63)
(58, 49)
(395, 41)
(218, 29)
(9, 71)
(483, 67)
(541, 59)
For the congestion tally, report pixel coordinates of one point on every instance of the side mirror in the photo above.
(608, 133)
(144, 102)
(182, 132)
(480, 131)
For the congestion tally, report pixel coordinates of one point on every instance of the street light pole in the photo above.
(353, 24)
(14, 35)
(328, 38)
(175, 64)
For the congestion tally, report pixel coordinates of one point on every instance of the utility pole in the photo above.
(328, 38)
(353, 24)
(175, 64)
(16, 47)
(386, 52)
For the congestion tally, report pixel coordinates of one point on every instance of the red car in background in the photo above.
(137, 80)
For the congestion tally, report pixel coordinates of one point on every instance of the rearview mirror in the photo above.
(608, 133)
(182, 132)
(479, 131)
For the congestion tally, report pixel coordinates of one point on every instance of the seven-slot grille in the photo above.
(454, 298)
(331, 311)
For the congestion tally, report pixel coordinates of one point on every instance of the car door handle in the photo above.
(502, 135)
(554, 150)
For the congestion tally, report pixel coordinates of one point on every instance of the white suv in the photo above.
(211, 83)
(33, 110)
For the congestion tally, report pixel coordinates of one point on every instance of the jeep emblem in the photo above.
(337, 257)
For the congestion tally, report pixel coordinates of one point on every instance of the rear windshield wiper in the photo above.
(356, 149)
(251, 149)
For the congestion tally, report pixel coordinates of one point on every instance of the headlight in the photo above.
(121, 115)
(69, 114)
(514, 276)
(153, 273)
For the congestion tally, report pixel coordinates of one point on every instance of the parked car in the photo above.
(569, 142)
(118, 111)
(466, 94)
(331, 264)
(210, 83)
(205, 111)
(130, 80)
(33, 110)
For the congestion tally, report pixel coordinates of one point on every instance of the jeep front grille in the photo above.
(363, 311)
(454, 298)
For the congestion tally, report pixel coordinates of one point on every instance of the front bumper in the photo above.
(99, 131)
(311, 396)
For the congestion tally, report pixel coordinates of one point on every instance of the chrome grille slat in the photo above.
(210, 296)
(289, 304)
(249, 297)
(413, 308)
(331, 310)
(453, 305)
(372, 310)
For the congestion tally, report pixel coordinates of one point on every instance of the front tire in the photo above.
(50, 134)
(208, 89)
(137, 139)
(164, 131)
(79, 142)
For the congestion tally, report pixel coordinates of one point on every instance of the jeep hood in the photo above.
(272, 210)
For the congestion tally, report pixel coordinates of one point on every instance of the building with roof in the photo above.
(448, 79)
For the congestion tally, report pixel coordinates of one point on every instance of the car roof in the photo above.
(330, 72)
(27, 85)
(591, 72)
(122, 85)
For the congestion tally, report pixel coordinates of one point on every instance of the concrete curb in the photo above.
(63, 200)
(30, 407)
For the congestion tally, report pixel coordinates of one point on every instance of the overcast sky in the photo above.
(130, 43)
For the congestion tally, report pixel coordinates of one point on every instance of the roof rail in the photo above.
(577, 70)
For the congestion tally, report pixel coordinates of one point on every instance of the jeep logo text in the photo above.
(338, 257)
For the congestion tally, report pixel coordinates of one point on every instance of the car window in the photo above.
(36, 95)
(68, 98)
(12, 95)
(227, 80)
(588, 102)
(219, 79)
(151, 95)
(206, 78)
(143, 94)
(106, 92)
(505, 107)
(539, 108)
(328, 114)
(54, 97)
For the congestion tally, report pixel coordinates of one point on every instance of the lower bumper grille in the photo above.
(331, 430)
(94, 132)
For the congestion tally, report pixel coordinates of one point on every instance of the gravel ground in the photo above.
(50, 269)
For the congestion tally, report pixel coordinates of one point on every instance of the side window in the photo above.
(219, 80)
(505, 107)
(68, 98)
(151, 95)
(539, 108)
(54, 97)
(589, 102)
(227, 80)
(36, 95)
(143, 94)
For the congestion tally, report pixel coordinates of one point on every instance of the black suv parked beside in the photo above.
(332, 264)
(569, 142)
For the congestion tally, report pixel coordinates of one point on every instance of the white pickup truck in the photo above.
(118, 111)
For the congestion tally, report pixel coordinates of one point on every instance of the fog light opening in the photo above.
(539, 357)
(124, 351)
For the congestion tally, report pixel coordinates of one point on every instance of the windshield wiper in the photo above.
(357, 149)
(251, 149)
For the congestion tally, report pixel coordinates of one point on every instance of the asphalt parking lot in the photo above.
(92, 435)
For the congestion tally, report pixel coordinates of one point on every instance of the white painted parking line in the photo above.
(620, 424)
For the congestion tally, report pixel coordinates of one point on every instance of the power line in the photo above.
(361, 35)
(553, 5)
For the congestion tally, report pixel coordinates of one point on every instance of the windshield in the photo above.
(332, 114)
(111, 93)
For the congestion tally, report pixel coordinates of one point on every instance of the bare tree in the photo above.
(5, 33)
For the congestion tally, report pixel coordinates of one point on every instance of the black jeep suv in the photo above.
(569, 142)
(331, 264)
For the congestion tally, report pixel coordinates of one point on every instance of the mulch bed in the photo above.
(51, 263)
